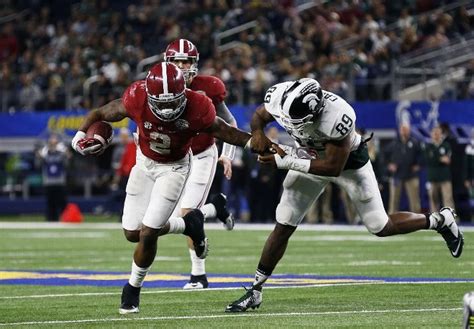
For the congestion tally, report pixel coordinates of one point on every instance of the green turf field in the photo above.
(371, 304)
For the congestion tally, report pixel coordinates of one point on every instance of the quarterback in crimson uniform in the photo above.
(185, 55)
(168, 116)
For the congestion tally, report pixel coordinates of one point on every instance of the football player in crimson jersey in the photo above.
(168, 116)
(185, 55)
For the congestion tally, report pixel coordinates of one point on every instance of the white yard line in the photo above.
(167, 291)
(231, 315)
(210, 226)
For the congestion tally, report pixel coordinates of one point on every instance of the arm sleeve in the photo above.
(223, 112)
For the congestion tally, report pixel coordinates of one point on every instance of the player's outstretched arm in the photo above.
(260, 118)
(220, 129)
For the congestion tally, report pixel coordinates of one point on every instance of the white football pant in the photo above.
(153, 191)
(300, 190)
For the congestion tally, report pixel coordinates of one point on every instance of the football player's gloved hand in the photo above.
(282, 160)
(86, 146)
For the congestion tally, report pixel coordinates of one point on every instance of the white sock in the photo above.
(260, 278)
(198, 266)
(138, 275)
(177, 225)
(209, 211)
(433, 221)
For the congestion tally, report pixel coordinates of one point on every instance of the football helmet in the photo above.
(165, 88)
(301, 103)
(183, 50)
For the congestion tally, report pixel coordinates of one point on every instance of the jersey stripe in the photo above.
(165, 78)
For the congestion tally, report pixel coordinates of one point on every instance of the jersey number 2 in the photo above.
(344, 126)
(160, 143)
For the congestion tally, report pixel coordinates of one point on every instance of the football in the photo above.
(102, 131)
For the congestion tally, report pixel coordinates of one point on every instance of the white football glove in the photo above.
(86, 146)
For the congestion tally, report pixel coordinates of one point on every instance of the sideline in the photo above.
(209, 226)
(232, 315)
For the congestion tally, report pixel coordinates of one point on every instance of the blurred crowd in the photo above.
(420, 175)
(83, 53)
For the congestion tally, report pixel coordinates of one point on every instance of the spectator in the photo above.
(8, 44)
(53, 157)
(404, 166)
(30, 94)
(437, 155)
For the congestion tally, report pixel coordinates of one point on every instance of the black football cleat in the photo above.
(130, 299)
(220, 203)
(196, 282)
(449, 230)
(194, 221)
(251, 299)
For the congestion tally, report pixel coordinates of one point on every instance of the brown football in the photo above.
(101, 131)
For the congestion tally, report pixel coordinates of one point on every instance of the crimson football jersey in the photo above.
(167, 141)
(213, 88)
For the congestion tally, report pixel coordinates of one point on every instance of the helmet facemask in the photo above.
(167, 107)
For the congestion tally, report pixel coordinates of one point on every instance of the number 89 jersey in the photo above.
(335, 122)
(164, 141)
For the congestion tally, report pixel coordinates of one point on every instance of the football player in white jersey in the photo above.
(327, 149)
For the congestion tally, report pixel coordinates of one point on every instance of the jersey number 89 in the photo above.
(344, 126)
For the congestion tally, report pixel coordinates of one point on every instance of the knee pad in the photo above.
(284, 215)
(375, 221)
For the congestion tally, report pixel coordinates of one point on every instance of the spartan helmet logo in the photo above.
(313, 101)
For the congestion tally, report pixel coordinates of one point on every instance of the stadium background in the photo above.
(393, 60)
(390, 59)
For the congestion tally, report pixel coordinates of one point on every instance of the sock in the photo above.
(138, 275)
(198, 266)
(261, 275)
(431, 221)
(209, 211)
(177, 225)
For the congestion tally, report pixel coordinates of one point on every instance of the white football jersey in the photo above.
(336, 121)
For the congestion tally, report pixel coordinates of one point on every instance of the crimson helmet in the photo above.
(183, 50)
(165, 88)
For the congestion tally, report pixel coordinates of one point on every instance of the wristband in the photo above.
(228, 150)
(291, 163)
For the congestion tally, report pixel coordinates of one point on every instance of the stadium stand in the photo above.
(80, 54)
(85, 54)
